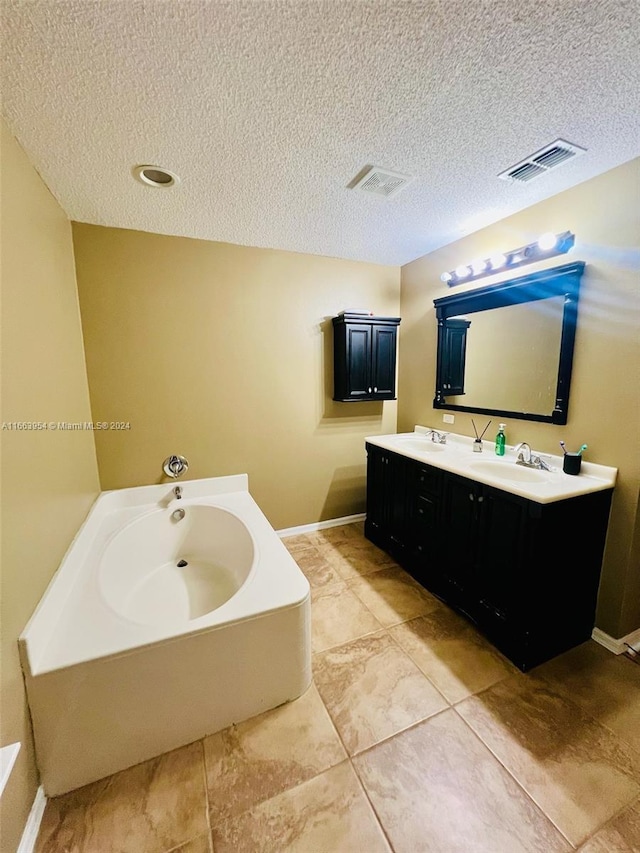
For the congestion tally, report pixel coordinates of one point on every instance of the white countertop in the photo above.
(458, 457)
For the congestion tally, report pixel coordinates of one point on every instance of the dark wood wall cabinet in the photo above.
(525, 573)
(364, 353)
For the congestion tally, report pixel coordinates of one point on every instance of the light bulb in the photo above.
(478, 267)
(462, 271)
(446, 276)
(547, 242)
(497, 261)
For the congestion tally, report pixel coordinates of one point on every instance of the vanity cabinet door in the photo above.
(459, 526)
(386, 521)
(505, 526)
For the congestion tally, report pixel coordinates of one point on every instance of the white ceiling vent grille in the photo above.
(381, 182)
(542, 161)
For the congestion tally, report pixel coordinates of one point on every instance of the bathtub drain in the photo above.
(182, 564)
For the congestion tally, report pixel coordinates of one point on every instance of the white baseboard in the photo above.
(620, 646)
(32, 826)
(319, 525)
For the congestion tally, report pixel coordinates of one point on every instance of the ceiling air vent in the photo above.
(380, 182)
(542, 161)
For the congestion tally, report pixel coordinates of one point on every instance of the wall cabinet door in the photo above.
(357, 374)
(364, 357)
(454, 353)
(383, 361)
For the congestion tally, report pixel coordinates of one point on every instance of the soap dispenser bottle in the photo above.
(501, 440)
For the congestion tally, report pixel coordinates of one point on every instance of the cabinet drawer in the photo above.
(427, 480)
(424, 514)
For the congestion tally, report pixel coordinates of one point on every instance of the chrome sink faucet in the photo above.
(439, 437)
(527, 458)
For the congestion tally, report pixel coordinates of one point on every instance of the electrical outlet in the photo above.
(449, 419)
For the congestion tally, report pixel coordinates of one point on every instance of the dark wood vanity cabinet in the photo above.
(525, 573)
(364, 353)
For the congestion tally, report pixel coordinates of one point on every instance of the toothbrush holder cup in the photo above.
(571, 463)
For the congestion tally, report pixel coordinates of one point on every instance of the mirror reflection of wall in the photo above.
(512, 357)
(517, 353)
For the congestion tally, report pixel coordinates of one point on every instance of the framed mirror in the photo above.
(507, 349)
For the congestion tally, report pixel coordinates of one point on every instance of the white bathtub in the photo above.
(129, 654)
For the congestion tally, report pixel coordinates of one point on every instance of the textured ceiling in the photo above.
(268, 109)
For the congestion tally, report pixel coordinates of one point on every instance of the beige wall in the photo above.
(604, 412)
(49, 479)
(223, 354)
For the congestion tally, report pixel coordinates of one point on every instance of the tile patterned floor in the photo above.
(416, 736)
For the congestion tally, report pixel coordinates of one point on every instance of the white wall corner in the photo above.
(32, 826)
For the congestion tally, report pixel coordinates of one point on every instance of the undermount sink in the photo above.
(510, 471)
(422, 445)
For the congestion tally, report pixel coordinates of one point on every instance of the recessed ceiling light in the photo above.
(155, 176)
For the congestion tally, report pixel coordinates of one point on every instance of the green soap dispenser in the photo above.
(501, 440)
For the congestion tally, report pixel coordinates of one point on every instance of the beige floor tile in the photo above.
(437, 789)
(393, 596)
(296, 543)
(327, 814)
(452, 653)
(152, 807)
(257, 759)
(576, 769)
(315, 567)
(621, 835)
(337, 616)
(350, 553)
(336, 534)
(605, 685)
(201, 844)
(373, 690)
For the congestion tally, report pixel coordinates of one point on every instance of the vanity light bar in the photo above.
(547, 246)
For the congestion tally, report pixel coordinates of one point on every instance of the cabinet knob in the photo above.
(375, 390)
(471, 498)
(369, 390)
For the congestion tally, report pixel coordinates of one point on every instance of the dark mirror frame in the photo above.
(558, 281)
